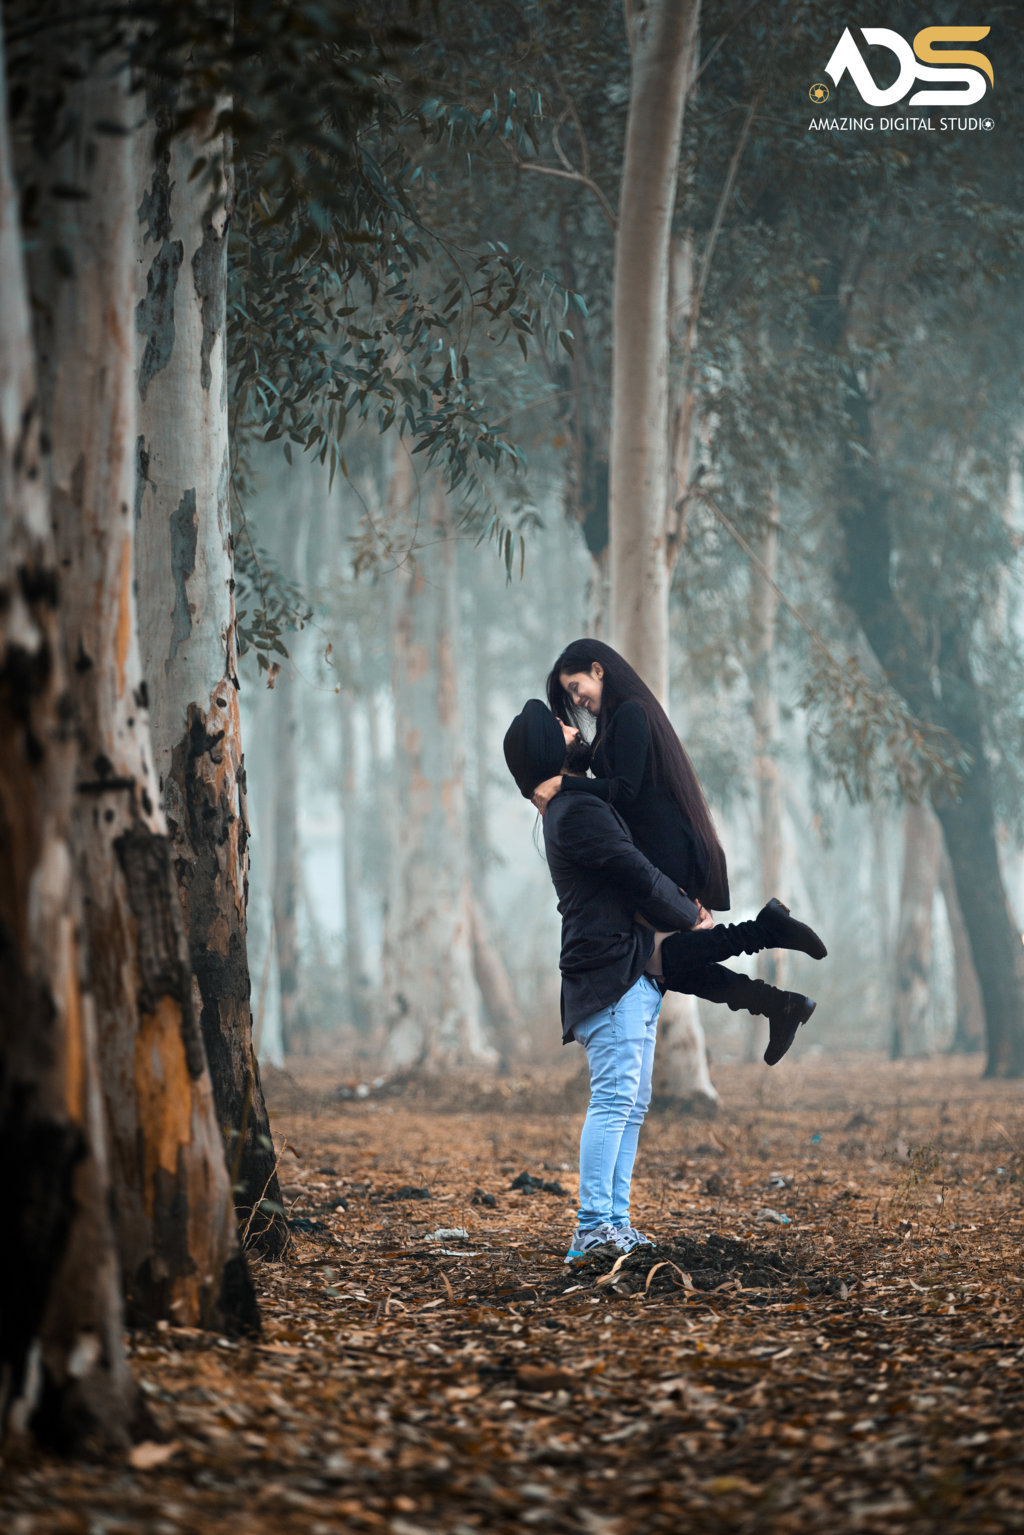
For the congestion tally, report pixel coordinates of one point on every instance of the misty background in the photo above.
(847, 360)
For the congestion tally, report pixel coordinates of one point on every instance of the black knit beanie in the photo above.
(534, 746)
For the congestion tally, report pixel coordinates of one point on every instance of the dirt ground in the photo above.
(826, 1334)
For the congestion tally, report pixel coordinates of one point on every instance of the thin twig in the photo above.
(259, 1202)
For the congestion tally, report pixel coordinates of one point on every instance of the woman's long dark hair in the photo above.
(671, 768)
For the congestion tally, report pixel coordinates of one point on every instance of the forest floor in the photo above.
(826, 1336)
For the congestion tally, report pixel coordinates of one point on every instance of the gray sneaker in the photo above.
(605, 1235)
(637, 1238)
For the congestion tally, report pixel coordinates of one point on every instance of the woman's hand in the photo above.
(704, 918)
(545, 792)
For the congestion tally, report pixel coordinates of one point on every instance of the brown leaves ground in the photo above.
(826, 1335)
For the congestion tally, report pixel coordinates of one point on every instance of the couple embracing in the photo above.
(638, 869)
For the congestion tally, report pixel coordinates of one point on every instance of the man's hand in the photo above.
(545, 792)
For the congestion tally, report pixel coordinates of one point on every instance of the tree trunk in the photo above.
(663, 43)
(681, 1077)
(496, 989)
(912, 998)
(178, 1249)
(969, 1030)
(431, 994)
(294, 1030)
(764, 708)
(356, 979)
(187, 629)
(644, 514)
(943, 693)
(968, 824)
(881, 903)
(64, 1375)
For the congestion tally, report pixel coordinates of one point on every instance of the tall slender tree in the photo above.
(187, 634)
(663, 38)
(432, 996)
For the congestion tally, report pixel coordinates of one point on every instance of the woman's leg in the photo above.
(615, 1041)
(622, 1177)
(772, 928)
(785, 1010)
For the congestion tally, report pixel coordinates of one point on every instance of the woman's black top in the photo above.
(623, 777)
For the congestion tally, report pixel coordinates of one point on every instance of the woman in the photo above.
(641, 769)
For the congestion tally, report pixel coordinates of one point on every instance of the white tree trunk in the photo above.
(187, 626)
(357, 984)
(663, 43)
(431, 994)
(643, 522)
(285, 893)
(175, 1231)
(496, 989)
(912, 1002)
(764, 706)
(681, 1076)
(64, 1374)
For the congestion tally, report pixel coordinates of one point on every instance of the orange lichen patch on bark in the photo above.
(124, 614)
(74, 1022)
(163, 1090)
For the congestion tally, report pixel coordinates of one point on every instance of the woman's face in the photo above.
(585, 688)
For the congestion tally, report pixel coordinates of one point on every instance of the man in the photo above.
(610, 1003)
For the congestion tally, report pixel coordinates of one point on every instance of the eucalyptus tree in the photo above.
(176, 1241)
(64, 1375)
(878, 274)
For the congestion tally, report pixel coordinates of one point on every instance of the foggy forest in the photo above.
(355, 361)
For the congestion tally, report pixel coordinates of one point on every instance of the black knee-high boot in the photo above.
(772, 928)
(785, 1010)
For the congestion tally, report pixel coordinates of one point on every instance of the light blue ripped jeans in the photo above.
(619, 1042)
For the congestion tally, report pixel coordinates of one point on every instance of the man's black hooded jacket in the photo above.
(603, 880)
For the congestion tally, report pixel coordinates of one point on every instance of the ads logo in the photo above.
(964, 75)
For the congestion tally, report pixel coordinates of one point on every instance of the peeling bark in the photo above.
(64, 1377)
(187, 635)
(171, 1191)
